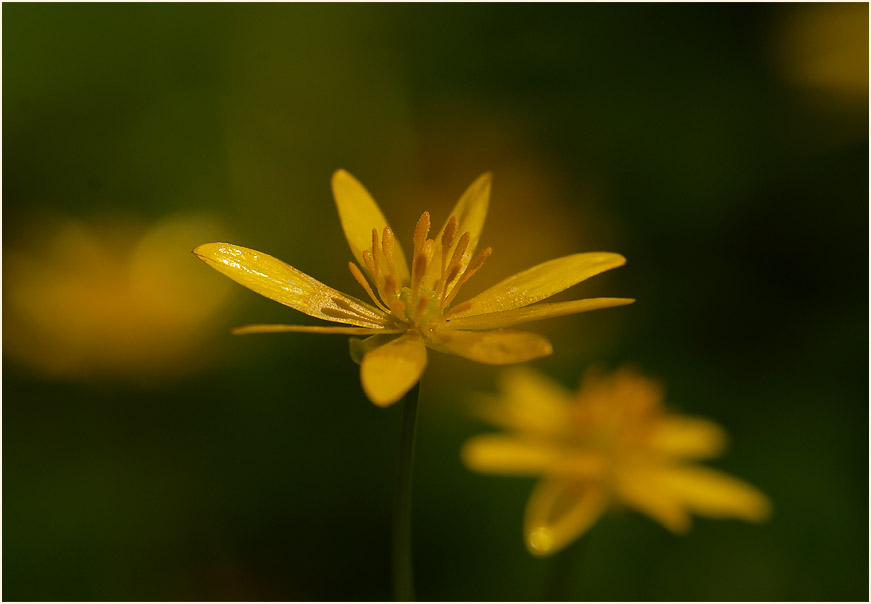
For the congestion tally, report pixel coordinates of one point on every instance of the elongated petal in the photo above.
(641, 488)
(507, 455)
(711, 493)
(559, 511)
(688, 437)
(388, 372)
(517, 456)
(471, 211)
(502, 347)
(360, 214)
(347, 331)
(506, 318)
(532, 404)
(281, 282)
(538, 283)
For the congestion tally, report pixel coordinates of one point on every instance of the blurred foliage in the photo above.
(722, 148)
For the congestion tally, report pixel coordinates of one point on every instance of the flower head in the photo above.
(611, 442)
(411, 303)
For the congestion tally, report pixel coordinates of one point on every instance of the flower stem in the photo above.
(403, 572)
(565, 571)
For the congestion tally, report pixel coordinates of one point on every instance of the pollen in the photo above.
(439, 267)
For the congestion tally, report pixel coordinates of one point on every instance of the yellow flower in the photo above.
(411, 308)
(612, 441)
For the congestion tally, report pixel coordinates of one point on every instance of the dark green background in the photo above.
(669, 133)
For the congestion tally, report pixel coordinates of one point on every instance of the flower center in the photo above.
(438, 269)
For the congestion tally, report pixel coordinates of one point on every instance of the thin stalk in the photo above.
(403, 572)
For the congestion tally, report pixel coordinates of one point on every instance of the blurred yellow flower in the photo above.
(411, 308)
(611, 442)
(109, 298)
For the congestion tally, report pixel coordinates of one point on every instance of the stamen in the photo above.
(387, 243)
(473, 267)
(397, 306)
(377, 272)
(391, 291)
(422, 303)
(420, 233)
(370, 262)
(420, 262)
(447, 240)
(358, 276)
(455, 265)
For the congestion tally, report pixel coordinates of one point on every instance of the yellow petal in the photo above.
(640, 487)
(498, 454)
(532, 403)
(538, 283)
(471, 211)
(281, 282)
(359, 214)
(711, 493)
(514, 456)
(538, 312)
(502, 347)
(560, 511)
(347, 331)
(690, 437)
(388, 372)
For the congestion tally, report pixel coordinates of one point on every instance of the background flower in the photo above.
(669, 133)
(611, 443)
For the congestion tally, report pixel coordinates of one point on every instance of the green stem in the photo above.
(565, 571)
(403, 572)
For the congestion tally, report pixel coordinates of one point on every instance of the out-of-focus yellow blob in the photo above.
(824, 47)
(541, 540)
(612, 441)
(110, 298)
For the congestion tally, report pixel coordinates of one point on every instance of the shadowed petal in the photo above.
(502, 347)
(538, 283)
(641, 489)
(281, 282)
(506, 318)
(347, 331)
(559, 511)
(359, 214)
(715, 494)
(388, 372)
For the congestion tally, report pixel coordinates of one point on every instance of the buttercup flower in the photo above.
(412, 308)
(611, 442)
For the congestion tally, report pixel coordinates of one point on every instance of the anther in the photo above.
(358, 276)
(473, 267)
(387, 243)
(420, 232)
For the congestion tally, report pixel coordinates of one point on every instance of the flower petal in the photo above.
(538, 312)
(538, 283)
(470, 211)
(688, 437)
(711, 493)
(507, 455)
(281, 282)
(559, 511)
(513, 456)
(359, 214)
(641, 488)
(347, 331)
(532, 404)
(388, 372)
(502, 347)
